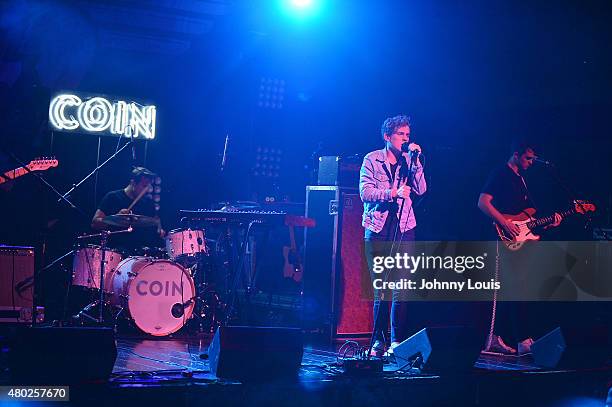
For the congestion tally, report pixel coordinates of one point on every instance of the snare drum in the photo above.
(87, 263)
(157, 294)
(186, 245)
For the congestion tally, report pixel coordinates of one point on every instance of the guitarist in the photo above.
(506, 192)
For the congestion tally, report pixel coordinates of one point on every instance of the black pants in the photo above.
(398, 312)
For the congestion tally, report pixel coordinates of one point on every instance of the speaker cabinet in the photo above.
(335, 270)
(448, 349)
(573, 347)
(47, 356)
(339, 171)
(16, 265)
(256, 353)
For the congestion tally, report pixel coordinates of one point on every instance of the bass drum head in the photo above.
(160, 296)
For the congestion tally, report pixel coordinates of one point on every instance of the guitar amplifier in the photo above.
(335, 269)
(16, 265)
(339, 171)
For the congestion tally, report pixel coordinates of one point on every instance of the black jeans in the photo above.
(398, 313)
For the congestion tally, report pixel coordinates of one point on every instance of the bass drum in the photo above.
(157, 294)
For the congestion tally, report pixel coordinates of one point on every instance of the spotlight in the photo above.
(301, 9)
(301, 3)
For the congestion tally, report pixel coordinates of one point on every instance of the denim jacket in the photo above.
(375, 191)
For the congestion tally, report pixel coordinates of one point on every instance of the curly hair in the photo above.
(393, 123)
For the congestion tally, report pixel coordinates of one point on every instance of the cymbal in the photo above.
(125, 220)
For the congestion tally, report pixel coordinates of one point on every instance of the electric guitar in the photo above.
(293, 268)
(526, 223)
(34, 165)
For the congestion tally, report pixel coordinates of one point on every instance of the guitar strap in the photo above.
(527, 193)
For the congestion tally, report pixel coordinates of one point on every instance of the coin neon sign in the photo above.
(68, 112)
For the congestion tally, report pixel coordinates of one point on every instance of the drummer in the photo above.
(118, 202)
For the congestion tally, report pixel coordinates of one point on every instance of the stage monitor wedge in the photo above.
(256, 353)
(61, 356)
(444, 349)
(573, 347)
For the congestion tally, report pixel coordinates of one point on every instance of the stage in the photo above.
(297, 173)
(172, 372)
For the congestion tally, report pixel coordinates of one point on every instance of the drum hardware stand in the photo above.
(103, 235)
(202, 301)
(75, 186)
(238, 273)
(207, 303)
(30, 281)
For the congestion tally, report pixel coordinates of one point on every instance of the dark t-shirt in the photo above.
(140, 237)
(509, 191)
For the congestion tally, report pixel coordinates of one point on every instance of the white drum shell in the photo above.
(87, 263)
(185, 244)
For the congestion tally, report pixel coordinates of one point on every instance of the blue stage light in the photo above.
(301, 3)
(301, 8)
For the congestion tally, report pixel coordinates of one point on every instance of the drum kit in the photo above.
(158, 294)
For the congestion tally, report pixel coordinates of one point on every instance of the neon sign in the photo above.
(68, 112)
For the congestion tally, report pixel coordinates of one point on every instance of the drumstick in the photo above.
(129, 208)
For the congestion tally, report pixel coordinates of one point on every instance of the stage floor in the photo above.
(157, 355)
(171, 371)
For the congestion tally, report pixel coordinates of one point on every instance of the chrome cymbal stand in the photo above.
(103, 235)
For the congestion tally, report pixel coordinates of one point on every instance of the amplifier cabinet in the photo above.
(16, 265)
(335, 269)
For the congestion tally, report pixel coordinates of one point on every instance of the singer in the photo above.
(387, 178)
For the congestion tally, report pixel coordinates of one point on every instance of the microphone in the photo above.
(410, 148)
(540, 161)
(178, 309)
(224, 159)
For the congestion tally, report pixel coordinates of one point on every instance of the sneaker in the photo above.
(393, 346)
(498, 346)
(524, 347)
(378, 349)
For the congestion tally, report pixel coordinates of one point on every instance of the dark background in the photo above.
(472, 76)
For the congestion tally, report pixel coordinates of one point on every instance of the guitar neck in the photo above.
(12, 174)
(550, 219)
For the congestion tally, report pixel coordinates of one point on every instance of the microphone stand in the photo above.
(31, 281)
(403, 175)
(62, 197)
(552, 170)
(44, 181)
(75, 186)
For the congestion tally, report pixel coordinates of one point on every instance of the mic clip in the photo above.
(544, 162)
